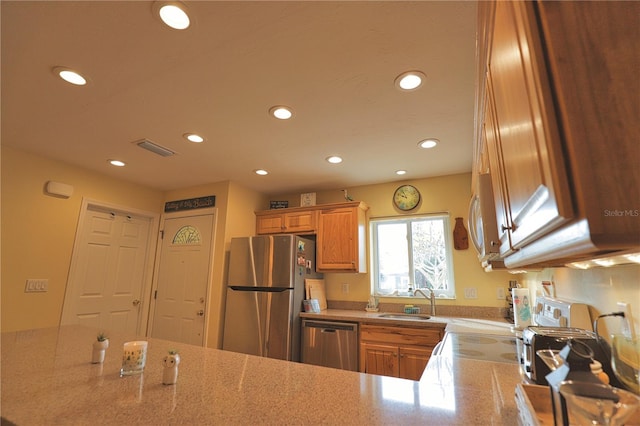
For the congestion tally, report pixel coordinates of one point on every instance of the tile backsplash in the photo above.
(601, 288)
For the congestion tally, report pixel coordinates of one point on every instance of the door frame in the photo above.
(143, 321)
(156, 269)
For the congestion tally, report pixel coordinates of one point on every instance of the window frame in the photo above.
(445, 219)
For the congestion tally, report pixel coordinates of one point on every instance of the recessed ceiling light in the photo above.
(410, 80)
(401, 172)
(281, 112)
(192, 137)
(334, 159)
(428, 143)
(70, 76)
(174, 14)
(117, 163)
(261, 172)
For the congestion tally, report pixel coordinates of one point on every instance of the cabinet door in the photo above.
(300, 222)
(498, 184)
(379, 359)
(303, 222)
(413, 361)
(337, 241)
(537, 195)
(270, 224)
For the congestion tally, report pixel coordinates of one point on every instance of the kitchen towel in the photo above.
(521, 307)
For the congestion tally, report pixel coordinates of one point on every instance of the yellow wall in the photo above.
(442, 194)
(38, 231)
(601, 288)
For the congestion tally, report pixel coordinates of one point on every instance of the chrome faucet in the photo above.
(431, 297)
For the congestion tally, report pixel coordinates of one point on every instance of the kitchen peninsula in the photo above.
(47, 378)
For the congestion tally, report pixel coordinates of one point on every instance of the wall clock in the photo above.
(406, 197)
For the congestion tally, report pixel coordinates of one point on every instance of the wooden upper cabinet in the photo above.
(340, 229)
(557, 117)
(296, 222)
(535, 188)
(341, 238)
(594, 58)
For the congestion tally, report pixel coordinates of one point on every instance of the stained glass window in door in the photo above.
(187, 235)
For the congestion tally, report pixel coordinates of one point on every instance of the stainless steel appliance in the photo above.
(330, 344)
(483, 224)
(265, 290)
(557, 321)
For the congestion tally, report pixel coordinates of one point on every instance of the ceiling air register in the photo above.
(155, 148)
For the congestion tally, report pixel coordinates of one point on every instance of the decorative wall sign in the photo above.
(190, 204)
(278, 204)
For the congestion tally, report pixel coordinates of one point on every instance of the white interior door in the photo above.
(184, 274)
(109, 269)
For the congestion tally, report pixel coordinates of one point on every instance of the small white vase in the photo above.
(170, 370)
(99, 349)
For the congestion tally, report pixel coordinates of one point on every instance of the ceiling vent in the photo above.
(155, 148)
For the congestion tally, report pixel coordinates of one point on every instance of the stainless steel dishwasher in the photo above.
(330, 344)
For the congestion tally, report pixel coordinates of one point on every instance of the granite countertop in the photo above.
(47, 378)
(449, 324)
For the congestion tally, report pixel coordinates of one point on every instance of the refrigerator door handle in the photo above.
(260, 289)
(267, 327)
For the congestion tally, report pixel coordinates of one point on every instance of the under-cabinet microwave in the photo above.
(483, 223)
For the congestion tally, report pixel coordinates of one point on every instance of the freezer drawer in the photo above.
(330, 344)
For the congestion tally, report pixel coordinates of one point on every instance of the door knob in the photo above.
(200, 313)
(136, 302)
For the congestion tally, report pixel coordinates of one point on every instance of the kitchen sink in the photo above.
(396, 315)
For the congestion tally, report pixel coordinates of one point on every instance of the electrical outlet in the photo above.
(470, 293)
(345, 288)
(36, 286)
(500, 293)
(627, 323)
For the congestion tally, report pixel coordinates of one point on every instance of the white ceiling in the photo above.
(334, 63)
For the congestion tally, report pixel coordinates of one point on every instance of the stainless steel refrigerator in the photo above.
(265, 289)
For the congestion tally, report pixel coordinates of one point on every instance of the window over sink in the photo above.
(412, 253)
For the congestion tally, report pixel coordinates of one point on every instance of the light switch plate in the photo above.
(470, 293)
(36, 285)
(627, 324)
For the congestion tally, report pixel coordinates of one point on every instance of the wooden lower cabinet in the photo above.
(397, 351)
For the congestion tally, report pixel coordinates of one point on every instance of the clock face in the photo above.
(406, 197)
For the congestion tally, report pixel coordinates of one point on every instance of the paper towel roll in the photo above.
(521, 307)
